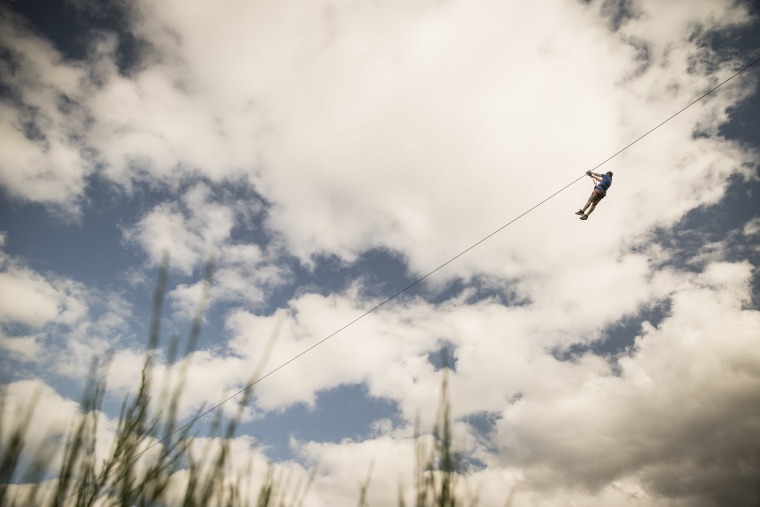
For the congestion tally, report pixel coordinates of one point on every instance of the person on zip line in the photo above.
(604, 181)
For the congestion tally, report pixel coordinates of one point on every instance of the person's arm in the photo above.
(594, 176)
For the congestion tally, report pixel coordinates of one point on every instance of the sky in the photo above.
(325, 155)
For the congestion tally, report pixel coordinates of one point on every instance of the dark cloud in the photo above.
(619, 12)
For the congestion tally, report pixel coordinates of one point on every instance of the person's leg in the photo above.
(582, 213)
(596, 198)
(590, 201)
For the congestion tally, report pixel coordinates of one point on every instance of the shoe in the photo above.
(579, 212)
(584, 217)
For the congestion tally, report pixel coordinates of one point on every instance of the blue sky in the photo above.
(327, 155)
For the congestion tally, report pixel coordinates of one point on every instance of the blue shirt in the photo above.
(605, 183)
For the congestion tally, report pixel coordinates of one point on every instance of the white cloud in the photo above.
(191, 231)
(42, 121)
(27, 347)
(659, 23)
(752, 228)
(562, 424)
(421, 128)
(686, 381)
(30, 299)
(57, 323)
(27, 299)
(629, 437)
(344, 468)
(199, 230)
(242, 281)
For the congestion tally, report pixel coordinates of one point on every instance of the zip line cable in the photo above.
(419, 280)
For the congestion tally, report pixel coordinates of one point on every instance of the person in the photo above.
(604, 181)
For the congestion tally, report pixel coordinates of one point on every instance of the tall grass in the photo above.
(437, 481)
(153, 461)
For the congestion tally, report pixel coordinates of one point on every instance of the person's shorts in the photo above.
(597, 195)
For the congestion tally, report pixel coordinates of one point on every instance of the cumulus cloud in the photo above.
(200, 230)
(364, 124)
(190, 231)
(57, 323)
(620, 432)
(30, 299)
(752, 228)
(678, 412)
(651, 429)
(43, 123)
(419, 129)
(437, 98)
